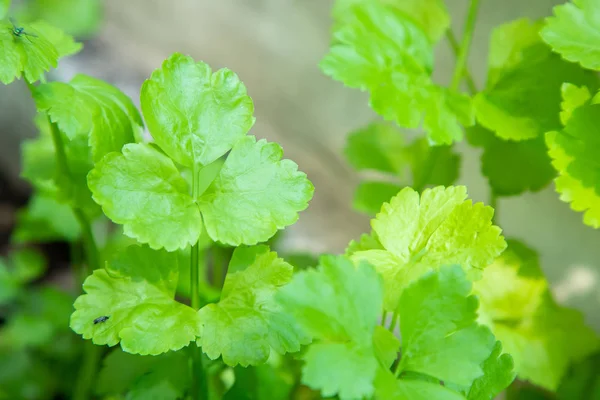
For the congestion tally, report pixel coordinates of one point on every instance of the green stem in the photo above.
(494, 204)
(383, 317)
(199, 382)
(87, 373)
(393, 322)
(91, 355)
(465, 45)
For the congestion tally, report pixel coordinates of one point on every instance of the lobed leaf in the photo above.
(255, 194)
(193, 114)
(136, 292)
(543, 338)
(338, 305)
(88, 106)
(246, 323)
(33, 52)
(574, 32)
(419, 233)
(142, 189)
(522, 96)
(379, 48)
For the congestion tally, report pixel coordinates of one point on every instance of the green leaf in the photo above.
(120, 370)
(522, 96)
(542, 338)
(45, 220)
(21, 267)
(4, 7)
(381, 49)
(39, 168)
(572, 190)
(255, 194)
(143, 190)
(512, 167)
(338, 304)
(378, 147)
(246, 323)
(33, 52)
(430, 15)
(369, 196)
(582, 381)
(136, 292)
(574, 32)
(419, 233)
(88, 106)
(498, 374)
(193, 114)
(437, 324)
(263, 382)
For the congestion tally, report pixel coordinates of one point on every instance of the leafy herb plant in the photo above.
(171, 236)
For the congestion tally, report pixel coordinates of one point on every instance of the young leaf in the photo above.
(193, 114)
(339, 304)
(33, 51)
(424, 232)
(572, 190)
(45, 220)
(378, 48)
(574, 32)
(431, 15)
(246, 323)
(538, 334)
(437, 324)
(529, 168)
(136, 292)
(255, 194)
(143, 190)
(88, 106)
(522, 96)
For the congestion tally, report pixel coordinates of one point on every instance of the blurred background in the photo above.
(275, 46)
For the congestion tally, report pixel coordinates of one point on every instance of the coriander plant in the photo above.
(179, 293)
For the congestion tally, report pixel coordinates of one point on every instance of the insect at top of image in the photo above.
(19, 31)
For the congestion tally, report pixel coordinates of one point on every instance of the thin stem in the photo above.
(91, 355)
(87, 373)
(384, 317)
(199, 382)
(393, 322)
(465, 45)
(494, 204)
(466, 74)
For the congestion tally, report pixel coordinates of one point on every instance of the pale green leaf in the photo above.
(379, 48)
(522, 96)
(439, 334)
(193, 114)
(136, 292)
(255, 194)
(419, 233)
(430, 15)
(143, 190)
(90, 107)
(543, 338)
(512, 167)
(572, 97)
(338, 304)
(574, 32)
(247, 323)
(33, 51)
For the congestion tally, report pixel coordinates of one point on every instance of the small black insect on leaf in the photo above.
(100, 319)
